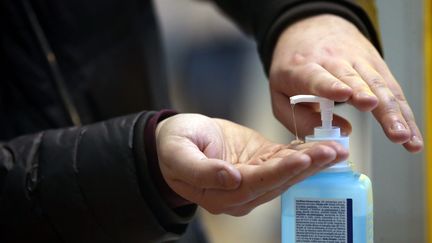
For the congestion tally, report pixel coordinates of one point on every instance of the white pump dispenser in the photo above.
(326, 107)
(334, 205)
(327, 132)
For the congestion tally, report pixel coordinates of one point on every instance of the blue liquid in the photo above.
(332, 186)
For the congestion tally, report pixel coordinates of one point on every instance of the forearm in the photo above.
(84, 180)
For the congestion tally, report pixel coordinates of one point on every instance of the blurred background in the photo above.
(214, 69)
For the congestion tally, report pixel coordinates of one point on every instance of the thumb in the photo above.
(185, 162)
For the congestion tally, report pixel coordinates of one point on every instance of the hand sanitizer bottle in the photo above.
(334, 205)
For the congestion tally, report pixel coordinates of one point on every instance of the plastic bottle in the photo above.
(334, 205)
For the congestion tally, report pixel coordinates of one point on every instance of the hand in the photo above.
(228, 168)
(327, 56)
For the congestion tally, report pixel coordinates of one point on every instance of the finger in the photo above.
(306, 117)
(362, 98)
(341, 152)
(322, 154)
(257, 178)
(415, 144)
(311, 78)
(218, 201)
(182, 160)
(388, 112)
(320, 162)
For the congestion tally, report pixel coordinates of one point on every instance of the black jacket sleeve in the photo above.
(266, 19)
(87, 184)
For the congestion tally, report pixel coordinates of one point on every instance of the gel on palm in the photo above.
(334, 205)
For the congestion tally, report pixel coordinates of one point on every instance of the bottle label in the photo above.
(324, 220)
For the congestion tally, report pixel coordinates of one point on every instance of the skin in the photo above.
(326, 55)
(228, 168)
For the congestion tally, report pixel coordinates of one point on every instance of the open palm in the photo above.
(228, 168)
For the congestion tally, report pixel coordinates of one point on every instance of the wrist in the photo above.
(350, 11)
(327, 22)
(151, 130)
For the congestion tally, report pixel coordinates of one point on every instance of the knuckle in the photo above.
(312, 69)
(400, 97)
(356, 65)
(407, 113)
(319, 85)
(376, 83)
(312, 66)
(325, 150)
(391, 106)
(409, 117)
(297, 59)
(347, 74)
(320, 147)
(333, 143)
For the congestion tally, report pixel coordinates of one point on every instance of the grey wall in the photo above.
(398, 175)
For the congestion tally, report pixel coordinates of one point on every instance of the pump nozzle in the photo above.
(326, 107)
(326, 132)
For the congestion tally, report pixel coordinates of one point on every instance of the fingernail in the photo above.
(222, 177)
(340, 85)
(398, 127)
(226, 180)
(365, 95)
(416, 140)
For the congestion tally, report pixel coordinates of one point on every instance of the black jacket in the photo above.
(65, 182)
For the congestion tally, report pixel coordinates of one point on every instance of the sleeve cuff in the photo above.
(173, 216)
(172, 198)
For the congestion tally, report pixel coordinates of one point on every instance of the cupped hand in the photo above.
(228, 168)
(326, 55)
